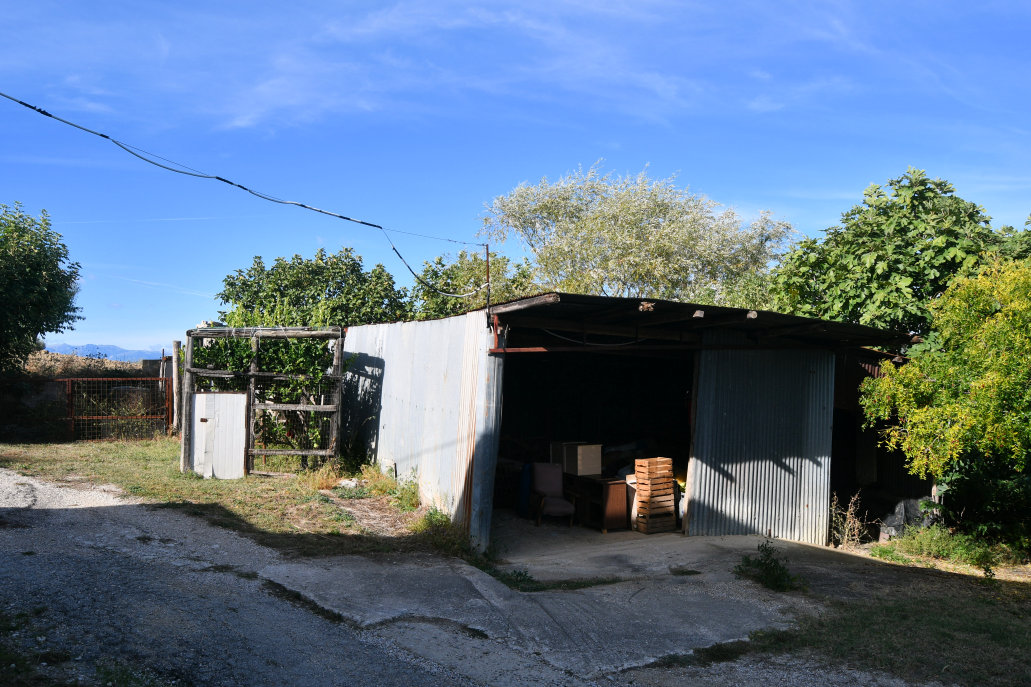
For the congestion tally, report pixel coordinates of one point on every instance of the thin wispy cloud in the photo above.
(174, 288)
(650, 60)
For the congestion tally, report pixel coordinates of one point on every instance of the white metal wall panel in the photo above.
(432, 391)
(219, 443)
(762, 444)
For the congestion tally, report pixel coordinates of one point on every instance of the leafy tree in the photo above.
(636, 237)
(37, 281)
(467, 273)
(891, 256)
(961, 410)
(328, 289)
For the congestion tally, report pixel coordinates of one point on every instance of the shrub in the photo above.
(939, 543)
(769, 569)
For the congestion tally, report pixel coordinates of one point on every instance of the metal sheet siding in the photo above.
(762, 444)
(433, 394)
(220, 430)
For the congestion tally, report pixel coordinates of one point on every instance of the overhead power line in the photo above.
(180, 168)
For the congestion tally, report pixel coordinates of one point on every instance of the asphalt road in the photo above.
(91, 590)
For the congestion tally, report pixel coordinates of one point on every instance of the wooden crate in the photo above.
(658, 524)
(655, 495)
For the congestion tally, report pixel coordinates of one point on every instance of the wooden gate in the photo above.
(284, 414)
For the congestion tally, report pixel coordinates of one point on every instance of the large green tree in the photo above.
(327, 289)
(891, 256)
(37, 284)
(635, 236)
(960, 410)
(464, 274)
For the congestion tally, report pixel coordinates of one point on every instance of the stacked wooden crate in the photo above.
(655, 505)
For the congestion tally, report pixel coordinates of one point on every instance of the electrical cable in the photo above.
(189, 171)
(427, 284)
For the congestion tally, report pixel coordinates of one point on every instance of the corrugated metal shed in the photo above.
(432, 395)
(427, 398)
(761, 462)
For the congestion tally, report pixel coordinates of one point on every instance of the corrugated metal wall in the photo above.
(432, 395)
(762, 444)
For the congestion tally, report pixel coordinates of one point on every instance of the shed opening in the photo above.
(632, 405)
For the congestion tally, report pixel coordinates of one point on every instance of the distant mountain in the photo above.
(108, 352)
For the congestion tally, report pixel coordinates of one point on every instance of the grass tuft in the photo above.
(325, 477)
(769, 569)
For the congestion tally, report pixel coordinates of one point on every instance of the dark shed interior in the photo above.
(631, 404)
(620, 372)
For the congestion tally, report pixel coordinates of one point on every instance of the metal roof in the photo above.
(638, 322)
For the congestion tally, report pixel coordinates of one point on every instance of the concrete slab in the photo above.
(445, 609)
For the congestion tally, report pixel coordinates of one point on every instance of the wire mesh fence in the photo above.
(117, 407)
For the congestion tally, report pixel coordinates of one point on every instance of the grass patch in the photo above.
(769, 569)
(939, 544)
(931, 626)
(284, 512)
(377, 482)
(325, 477)
(965, 633)
(359, 491)
(888, 553)
(403, 493)
(438, 533)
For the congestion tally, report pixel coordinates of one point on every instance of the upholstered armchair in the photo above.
(548, 496)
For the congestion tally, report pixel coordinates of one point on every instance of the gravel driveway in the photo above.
(103, 581)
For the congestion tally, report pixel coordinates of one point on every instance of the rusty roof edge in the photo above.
(880, 336)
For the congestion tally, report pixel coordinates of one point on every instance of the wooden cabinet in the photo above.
(600, 501)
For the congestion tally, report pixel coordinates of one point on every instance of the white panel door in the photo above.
(219, 435)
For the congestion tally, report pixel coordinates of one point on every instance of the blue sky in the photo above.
(415, 114)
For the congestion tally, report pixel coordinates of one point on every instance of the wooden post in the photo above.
(338, 396)
(176, 388)
(252, 416)
(185, 456)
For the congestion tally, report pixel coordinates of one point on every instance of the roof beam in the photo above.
(598, 328)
